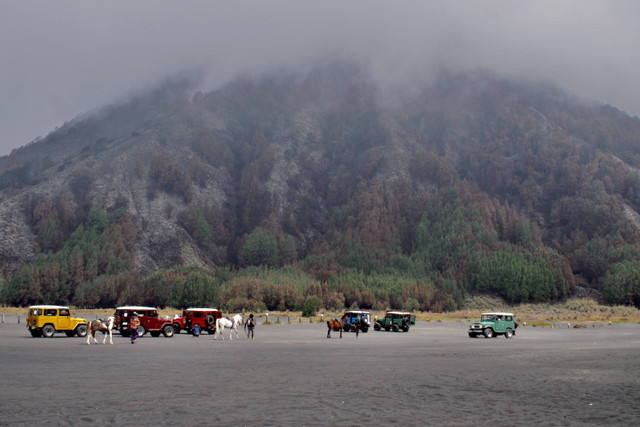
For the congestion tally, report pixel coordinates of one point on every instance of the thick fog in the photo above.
(62, 58)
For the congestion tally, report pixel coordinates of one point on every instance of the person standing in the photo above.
(133, 325)
(250, 325)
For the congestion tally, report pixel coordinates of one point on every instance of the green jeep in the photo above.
(493, 324)
(395, 321)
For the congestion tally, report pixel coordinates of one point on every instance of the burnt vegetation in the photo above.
(332, 191)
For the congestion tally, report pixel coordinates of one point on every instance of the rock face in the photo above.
(284, 152)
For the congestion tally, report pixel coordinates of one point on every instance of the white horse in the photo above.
(225, 322)
(103, 326)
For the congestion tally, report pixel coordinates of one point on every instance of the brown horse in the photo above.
(104, 326)
(336, 325)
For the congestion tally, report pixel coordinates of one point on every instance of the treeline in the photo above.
(455, 252)
(427, 257)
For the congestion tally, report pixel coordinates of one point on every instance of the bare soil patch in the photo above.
(293, 375)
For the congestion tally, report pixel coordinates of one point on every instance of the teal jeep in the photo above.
(493, 324)
(395, 321)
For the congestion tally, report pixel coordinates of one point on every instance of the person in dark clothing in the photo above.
(135, 323)
(250, 325)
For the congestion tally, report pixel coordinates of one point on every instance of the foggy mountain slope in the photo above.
(284, 151)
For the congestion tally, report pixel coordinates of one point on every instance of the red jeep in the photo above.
(196, 320)
(149, 321)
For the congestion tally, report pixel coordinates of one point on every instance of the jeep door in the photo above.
(500, 325)
(64, 320)
(146, 319)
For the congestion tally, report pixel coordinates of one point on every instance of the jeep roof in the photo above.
(497, 313)
(48, 306)
(398, 312)
(358, 312)
(201, 309)
(135, 307)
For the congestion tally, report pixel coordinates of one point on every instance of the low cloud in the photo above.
(64, 58)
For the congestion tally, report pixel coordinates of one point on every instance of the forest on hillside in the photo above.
(469, 185)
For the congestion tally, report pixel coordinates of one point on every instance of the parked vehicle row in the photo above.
(47, 320)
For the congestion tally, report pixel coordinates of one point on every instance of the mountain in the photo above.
(452, 176)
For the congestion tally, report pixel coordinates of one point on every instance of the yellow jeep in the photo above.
(46, 320)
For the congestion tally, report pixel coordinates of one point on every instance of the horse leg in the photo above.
(91, 333)
(110, 336)
(340, 331)
(222, 332)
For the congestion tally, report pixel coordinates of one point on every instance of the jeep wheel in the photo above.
(36, 333)
(70, 333)
(365, 329)
(81, 330)
(387, 328)
(395, 328)
(508, 333)
(48, 331)
(167, 331)
(141, 331)
(155, 334)
(488, 333)
(376, 327)
(176, 328)
(405, 328)
(346, 328)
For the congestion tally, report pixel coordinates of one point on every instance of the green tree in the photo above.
(311, 306)
(411, 304)
(193, 292)
(622, 282)
(287, 250)
(260, 248)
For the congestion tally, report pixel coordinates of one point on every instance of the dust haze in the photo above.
(60, 59)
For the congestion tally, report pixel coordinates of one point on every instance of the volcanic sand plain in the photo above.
(291, 374)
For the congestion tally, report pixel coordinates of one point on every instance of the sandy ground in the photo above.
(294, 375)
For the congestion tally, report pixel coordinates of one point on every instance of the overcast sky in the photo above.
(62, 58)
